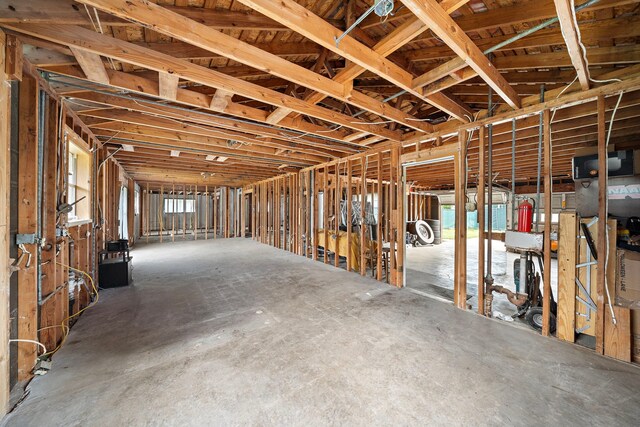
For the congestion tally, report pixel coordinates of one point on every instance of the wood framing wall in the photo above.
(301, 213)
(51, 245)
(213, 212)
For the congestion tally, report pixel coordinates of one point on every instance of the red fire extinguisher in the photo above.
(525, 216)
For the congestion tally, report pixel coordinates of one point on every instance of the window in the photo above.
(78, 179)
(177, 206)
(136, 203)
(73, 184)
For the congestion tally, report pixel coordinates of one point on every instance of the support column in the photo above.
(460, 275)
(28, 224)
(548, 183)
(481, 202)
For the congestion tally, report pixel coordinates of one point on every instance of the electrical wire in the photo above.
(30, 341)
(65, 328)
(574, 16)
(606, 210)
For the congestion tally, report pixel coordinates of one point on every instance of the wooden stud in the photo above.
(363, 208)
(601, 242)
(567, 235)
(480, 195)
(337, 195)
(161, 212)
(28, 224)
(184, 212)
(206, 212)
(379, 219)
(546, 172)
(5, 191)
(460, 275)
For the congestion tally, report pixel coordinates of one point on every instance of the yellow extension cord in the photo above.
(64, 327)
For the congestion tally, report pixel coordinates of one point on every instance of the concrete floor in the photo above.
(232, 332)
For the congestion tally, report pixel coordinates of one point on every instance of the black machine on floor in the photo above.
(114, 265)
(532, 308)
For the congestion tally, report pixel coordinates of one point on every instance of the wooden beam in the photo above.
(390, 43)
(168, 86)
(91, 65)
(124, 51)
(170, 23)
(430, 12)
(571, 34)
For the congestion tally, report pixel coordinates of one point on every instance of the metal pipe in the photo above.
(355, 24)
(42, 99)
(514, 298)
(489, 276)
(539, 162)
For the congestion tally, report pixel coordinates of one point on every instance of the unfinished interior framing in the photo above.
(299, 126)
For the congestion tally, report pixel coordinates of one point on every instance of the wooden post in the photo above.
(548, 183)
(196, 218)
(206, 212)
(337, 195)
(131, 211)
(161, 212)
(49, 311)
(28, 224)
(5, 189)
(601, 243)
(567, 235)
(480, 192)
(379, 220)
(173, 212)
(148, 212)
(363, 206)
(349, 212)
(399, 216)
(460, 275)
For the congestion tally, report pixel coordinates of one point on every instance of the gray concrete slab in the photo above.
(232, 332)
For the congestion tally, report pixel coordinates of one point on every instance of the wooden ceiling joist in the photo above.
(264, 85)
(301, 20)
(188, 30)
(133, 54)
(446, 28)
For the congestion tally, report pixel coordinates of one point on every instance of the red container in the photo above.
(525, 216)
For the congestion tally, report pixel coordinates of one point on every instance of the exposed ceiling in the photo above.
(248, 89)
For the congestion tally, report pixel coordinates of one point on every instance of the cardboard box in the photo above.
(628, 279)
